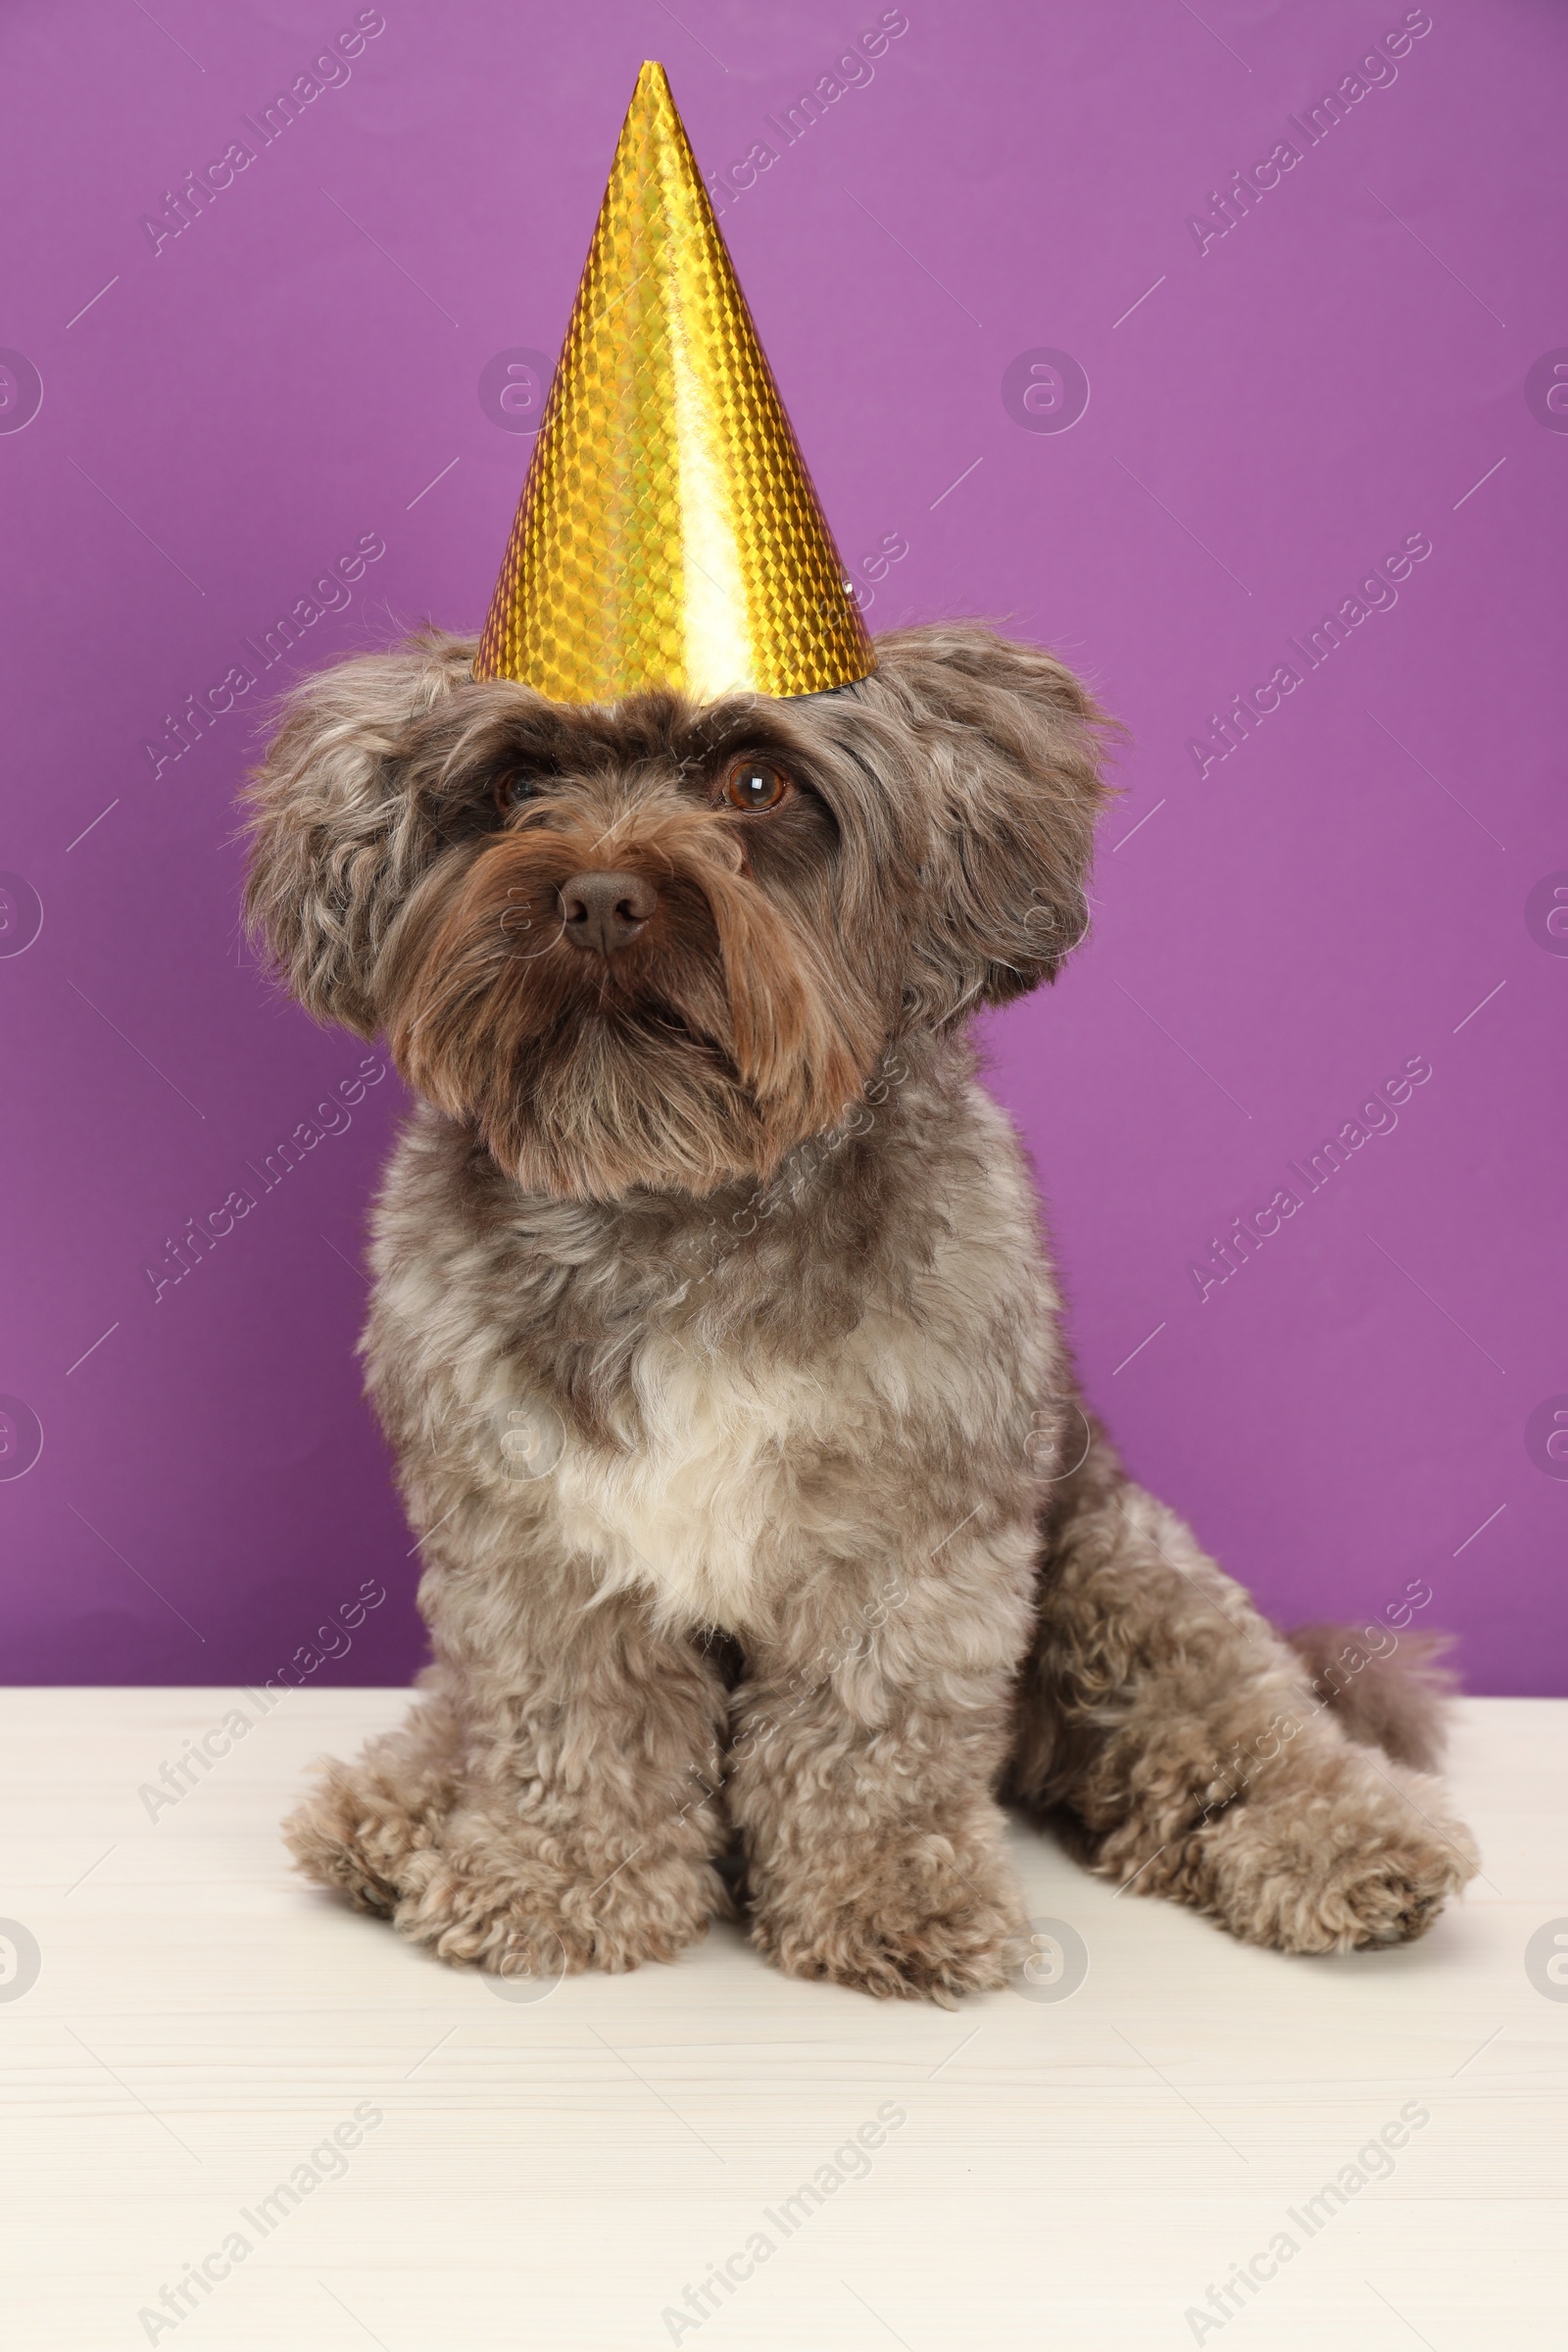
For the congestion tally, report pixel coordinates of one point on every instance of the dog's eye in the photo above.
(518, 785)
(753, 784)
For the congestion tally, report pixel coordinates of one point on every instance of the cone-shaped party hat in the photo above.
(669, 533)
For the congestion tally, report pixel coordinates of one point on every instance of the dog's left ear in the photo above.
(1001, 751)
(338, 840)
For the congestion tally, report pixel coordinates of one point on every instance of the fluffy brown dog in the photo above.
(714, 1334)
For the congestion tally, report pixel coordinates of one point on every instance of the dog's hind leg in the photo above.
(1175, 1736)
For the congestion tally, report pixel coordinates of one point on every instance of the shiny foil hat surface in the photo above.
(669, 533)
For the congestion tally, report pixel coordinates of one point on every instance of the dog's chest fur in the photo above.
(700, 1384)
(686, 1509)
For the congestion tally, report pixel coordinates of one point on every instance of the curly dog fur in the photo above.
(724, 1363)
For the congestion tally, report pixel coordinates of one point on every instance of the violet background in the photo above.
(1272, 940)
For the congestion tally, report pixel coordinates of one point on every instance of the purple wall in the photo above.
(1360, 365)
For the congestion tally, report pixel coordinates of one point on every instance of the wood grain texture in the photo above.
(559, 2171)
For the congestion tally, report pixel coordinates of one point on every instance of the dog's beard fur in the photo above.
(702, 1051)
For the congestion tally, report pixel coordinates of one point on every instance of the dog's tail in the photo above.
(1398, 1702)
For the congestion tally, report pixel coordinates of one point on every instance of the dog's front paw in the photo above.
(1364, 1854)
(356, 1832)
(491, 1903)
(914, 1914)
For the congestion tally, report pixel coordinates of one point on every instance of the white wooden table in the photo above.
(557, 2171)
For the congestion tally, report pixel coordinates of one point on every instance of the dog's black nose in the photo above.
(606, 911)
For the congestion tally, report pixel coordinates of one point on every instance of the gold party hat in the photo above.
(667, 533)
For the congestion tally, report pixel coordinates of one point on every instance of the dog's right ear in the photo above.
(337, 841)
